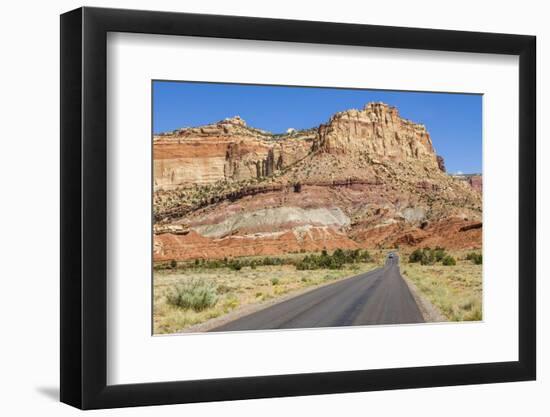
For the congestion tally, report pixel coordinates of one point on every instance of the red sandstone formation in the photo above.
(476, 181)
(367, 178)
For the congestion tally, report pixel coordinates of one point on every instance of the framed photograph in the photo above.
(257, 208)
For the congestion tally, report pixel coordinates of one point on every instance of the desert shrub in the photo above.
(223, 289)
(439, 254)
(337, 260)
(230, 304)
(476, 258)
(350, 256)
(213, 263)
(308, 262)
(302, 266)
(197, 295)
(162, 266)
(474, 315)
(427, 256)
(448, 261)
(173, 264)
(272, 261)
(339, 254)
(366, 256)
(238, 264)
(235, 265)
(274, 281)
(334, 263)
(415, 256)
(278, 261)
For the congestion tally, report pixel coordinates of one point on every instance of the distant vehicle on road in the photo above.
(390, 255)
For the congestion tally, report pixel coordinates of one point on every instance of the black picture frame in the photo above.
(84, 207)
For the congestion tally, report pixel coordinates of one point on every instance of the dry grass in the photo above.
(234, 289)
(456, 290)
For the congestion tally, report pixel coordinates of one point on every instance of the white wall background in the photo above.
(29, 171)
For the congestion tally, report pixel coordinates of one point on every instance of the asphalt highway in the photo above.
(380, 296)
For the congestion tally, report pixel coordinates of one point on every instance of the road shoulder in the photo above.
(430, 313)
(254, 308)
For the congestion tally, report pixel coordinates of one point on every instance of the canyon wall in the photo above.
(365, 178)
(225, 151)
(378, 131)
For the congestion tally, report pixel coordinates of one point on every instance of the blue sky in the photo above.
(453, 120)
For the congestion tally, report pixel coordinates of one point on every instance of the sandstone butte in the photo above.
(365, 179)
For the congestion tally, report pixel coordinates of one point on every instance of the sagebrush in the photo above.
(197, 295)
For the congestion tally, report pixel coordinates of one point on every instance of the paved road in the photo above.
(380, 296)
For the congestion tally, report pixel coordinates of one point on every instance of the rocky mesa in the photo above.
(366, 178)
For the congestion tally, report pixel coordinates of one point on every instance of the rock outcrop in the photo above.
(476, 182)
(378, 131)
(366, 178)
(193, 245)
(441, 163)
(225, 151)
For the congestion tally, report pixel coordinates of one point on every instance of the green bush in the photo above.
(274, 281)
(439, 254)
(476, 258)
(427, 256)
(338, 254)
(197, 295)
(235, 265)
(448, 261)
(272, 261)
(366, 256)
(335, 263)
(337, 260)
(416, 256)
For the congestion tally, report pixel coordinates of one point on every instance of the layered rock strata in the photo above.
(367, 178)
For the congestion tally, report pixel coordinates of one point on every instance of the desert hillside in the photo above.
(364, 179)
